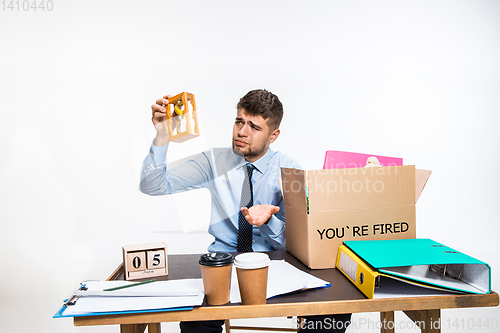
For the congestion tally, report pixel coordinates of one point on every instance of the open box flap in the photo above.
(421, 177)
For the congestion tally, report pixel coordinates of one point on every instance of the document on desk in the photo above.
(283, 278)
(91, 299)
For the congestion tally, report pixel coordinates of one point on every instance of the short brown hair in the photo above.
(263, 103)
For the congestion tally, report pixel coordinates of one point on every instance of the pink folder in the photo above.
(335, 159)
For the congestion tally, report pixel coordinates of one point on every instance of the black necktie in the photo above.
(245, 228)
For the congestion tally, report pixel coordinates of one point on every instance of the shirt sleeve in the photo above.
(274, 230)
(187, 174)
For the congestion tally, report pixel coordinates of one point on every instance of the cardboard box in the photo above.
(323, 208)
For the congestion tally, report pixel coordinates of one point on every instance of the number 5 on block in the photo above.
(156, 259)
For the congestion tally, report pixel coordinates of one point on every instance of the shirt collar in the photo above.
(261, 164)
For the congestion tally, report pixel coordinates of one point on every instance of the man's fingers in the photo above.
(245, 211)
(162, 101)
(160, 109)
(275, 209)
(160, 106)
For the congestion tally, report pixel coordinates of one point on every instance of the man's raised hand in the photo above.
(159, 111)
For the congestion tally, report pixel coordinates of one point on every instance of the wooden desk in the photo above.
(341, 297)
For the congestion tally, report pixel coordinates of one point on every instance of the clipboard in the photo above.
(411, 267)
(174, 295)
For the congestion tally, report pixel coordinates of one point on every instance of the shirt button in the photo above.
(151, 154)
(253, 240)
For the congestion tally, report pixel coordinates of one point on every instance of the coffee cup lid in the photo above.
(252, 260)
(216, 259)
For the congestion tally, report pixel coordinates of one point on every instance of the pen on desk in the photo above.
(129, 285)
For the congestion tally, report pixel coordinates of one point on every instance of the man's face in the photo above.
(252, 136)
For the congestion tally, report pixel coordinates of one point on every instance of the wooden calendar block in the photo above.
(156, 259)
(145, 260)
(182, 121)
(136, 261)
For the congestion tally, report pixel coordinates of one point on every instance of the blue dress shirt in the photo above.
(221, 171)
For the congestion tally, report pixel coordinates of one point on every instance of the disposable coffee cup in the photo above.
(216, 273)
(252, 270)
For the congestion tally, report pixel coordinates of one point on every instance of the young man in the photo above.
(247, 205)
(223, 172)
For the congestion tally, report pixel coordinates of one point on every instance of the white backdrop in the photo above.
(413, 79)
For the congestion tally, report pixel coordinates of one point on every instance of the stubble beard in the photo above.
(249, 152)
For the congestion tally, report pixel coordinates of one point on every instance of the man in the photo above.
(248, 169)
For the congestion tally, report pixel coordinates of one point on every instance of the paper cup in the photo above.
(216, 275)
(252, 271)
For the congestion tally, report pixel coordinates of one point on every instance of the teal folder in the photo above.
(427, 262)
(60, 312)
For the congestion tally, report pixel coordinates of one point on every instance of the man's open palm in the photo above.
(259, 214)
